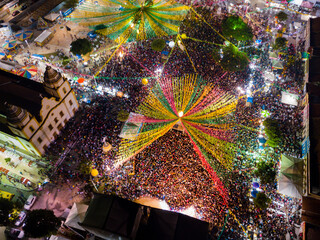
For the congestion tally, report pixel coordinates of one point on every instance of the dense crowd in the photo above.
(169, 169)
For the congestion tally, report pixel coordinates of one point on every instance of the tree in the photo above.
(99, 27)
(6, 207)
(231, 59)
(123, 115)
(261, 200)
(85, 167)
(273, 132)
(158, 44)
(71, 3)
(81, 46)
(20, 2)
(236, 28)
(266, 172)
(280, 43)
(41, 223)
(282, 16)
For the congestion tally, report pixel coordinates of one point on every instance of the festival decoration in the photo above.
(80, 80)
(265, 113)
(94, 172)
(120, 94)
(145, 81)
(171, 44)
(134, 20)
(201, 109)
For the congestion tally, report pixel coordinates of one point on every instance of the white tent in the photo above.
(77, 214)
(132, 126)
(52, 17)
(290, 182)
(297, 2)
(54, 237)
(287, 187)
(277, 64)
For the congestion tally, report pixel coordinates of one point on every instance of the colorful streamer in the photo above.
(142, 19)
(202, 109)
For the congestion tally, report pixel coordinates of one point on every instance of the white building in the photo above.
(34, 113)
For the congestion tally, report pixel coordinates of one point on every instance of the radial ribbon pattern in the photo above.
(135, 19)
(201, 109)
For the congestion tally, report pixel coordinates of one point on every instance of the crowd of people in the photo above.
(169, 169)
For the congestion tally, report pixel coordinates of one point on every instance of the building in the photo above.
(311, 134)
(111, 217)
(32, 114)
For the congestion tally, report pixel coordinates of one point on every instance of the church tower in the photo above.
(53, 81)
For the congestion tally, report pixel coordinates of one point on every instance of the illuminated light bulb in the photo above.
(180, 114)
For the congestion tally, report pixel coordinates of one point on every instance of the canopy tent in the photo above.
(44, 37)
(24, 35)
(52, 17)
(273, 55)
(8, 66)
(296, 2)
(277, 64)
(132, 126)
(77, 214)
(28, 71)
(42, 24)
(269, 75)
(290, 182)
(9, 44)
(153, 202)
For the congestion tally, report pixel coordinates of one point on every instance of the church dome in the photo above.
(51, 75)
(15, 115)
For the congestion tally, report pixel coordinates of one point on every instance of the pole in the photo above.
(225, 221)
(94, 184)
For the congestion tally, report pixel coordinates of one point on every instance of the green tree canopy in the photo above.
(266, 172)
(235, 27)
(261, 200)
(6, 207)
(280, 43)
(273, 132)
(123, 115)
(231, 59)
(81, 46)
(71, 3)
(282, 16)
(158, 44)
(99, 27)
(41, 223)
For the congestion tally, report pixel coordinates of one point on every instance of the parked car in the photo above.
(15, 13)
(23, 7)
(14, 233)
(21, 218)
(30, 201)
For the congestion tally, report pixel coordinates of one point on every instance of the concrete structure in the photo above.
(32, 113)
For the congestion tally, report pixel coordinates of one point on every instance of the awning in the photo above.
(77, 214)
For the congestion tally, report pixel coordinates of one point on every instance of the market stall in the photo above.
(43, 38)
